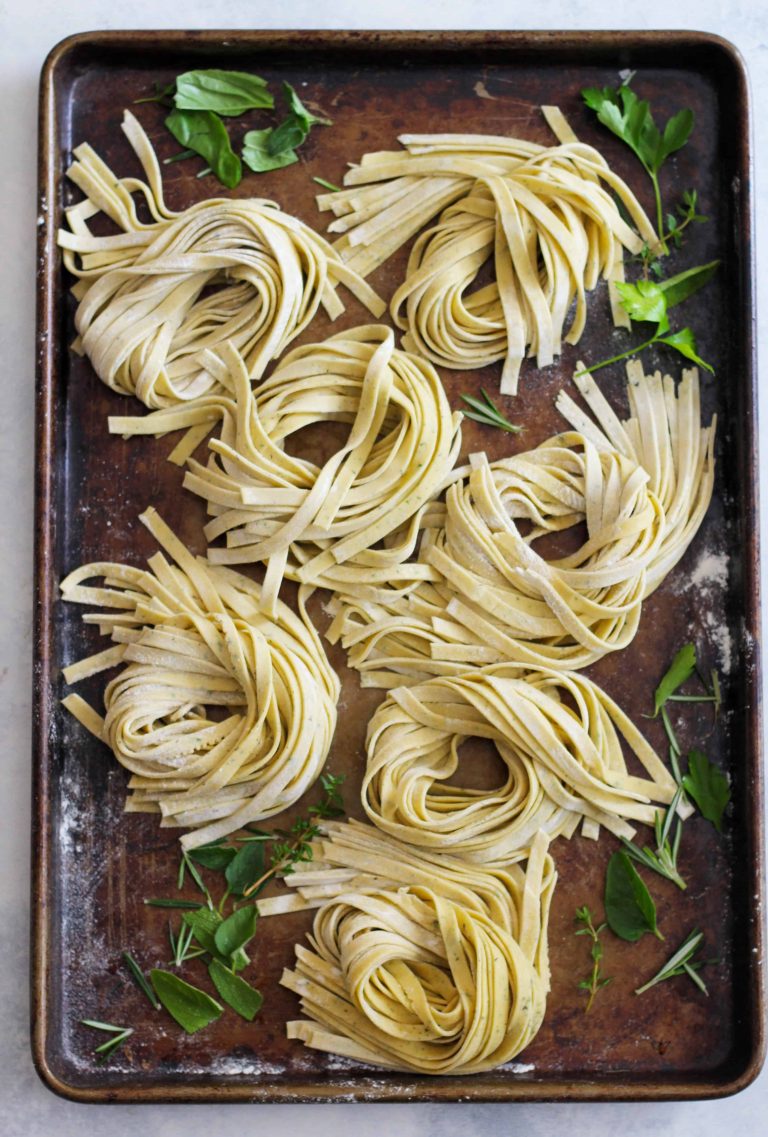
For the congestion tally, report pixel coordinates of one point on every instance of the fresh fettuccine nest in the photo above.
(152, 298)
(642, 488)
(222, 716)
(322, 524)
(544, 215)
(418, 962)
(558, 737)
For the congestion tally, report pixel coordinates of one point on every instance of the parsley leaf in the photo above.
(708, 787)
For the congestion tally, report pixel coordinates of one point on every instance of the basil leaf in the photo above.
(205, 133)
(294, 129)
(644, 301)
(189, 1006)
(680, 287)
(246, 867)
(257, 156)
(685, 342)
(225, 92)
(237, 930)
(234, 990)
(680, 671)
(204, 924)
(708, 787)
(215, 857)
(629, 907)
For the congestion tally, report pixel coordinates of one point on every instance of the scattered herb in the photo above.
(189, 1006)
(258, 156)
(215, 857)
(662, 860)
(629, 907)
(680, 671)
(234, 990)
(631, 120)
(186, 862)
(486, 412)
(680, 963)
(327, 185)
(294, 129)
(140, 979)
(235, 932)
(205, 133)
(595, 981)
(648, 302)
(119, 1035)
(687, 214)
(172, 902)
(332, 802)
(228, 93)
(163, 94)
(245, 867)
(708, 787)
(181, 945)
(204, 925)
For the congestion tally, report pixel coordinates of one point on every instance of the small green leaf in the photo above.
(708, 787)
(225, 92)
(259, 158)
(234, 990)
(205, 133)
(676, 134)
(644, 301)
(680, 287)
(172, 902)
(215, 857)
(629, 907)
(237, 930)
(327, 185)
(295, 127)
(679, 672)
(139, 978)
(204, 924)
(685, 342)
(189, 1006)
(246, 867)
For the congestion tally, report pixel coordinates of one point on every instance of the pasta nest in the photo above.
(641, 487)
(425, 976)
(325, 524)
(558, 737)
(154, 297)
(545, 216)
(222, 715)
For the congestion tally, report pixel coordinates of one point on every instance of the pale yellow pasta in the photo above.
(154, 297)
(323, 524)
(544, 216)
(642, 487)
(420, 963)
(222, 715)
(558, 738)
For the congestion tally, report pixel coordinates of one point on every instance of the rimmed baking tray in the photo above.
(93, 866)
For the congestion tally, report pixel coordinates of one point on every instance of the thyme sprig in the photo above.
(594, 982)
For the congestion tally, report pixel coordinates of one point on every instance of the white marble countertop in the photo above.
(28, 29)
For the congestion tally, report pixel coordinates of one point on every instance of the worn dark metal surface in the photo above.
(93, 865)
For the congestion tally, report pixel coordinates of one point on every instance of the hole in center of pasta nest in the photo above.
(564, 543)
(480, 766)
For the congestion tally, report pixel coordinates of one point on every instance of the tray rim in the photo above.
(532, 43)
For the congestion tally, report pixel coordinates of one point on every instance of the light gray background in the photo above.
(28, 29)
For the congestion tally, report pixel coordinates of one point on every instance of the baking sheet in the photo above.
(94, 866)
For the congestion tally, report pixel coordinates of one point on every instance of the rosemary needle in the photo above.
(485, 411)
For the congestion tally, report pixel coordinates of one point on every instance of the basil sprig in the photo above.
(228, 93)
(629, 907)
(205, 133)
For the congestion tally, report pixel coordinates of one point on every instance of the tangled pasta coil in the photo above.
(558, 738)
(154, 297)
(642, 487)
(428, 975)
(222, 716)
(544, 216)
(321, 524)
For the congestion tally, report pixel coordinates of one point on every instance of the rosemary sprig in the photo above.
(486, 412)
(681, 963)
(140, 979)
(327, 185)
(662, 860)
(119, 1035)
(594, 981)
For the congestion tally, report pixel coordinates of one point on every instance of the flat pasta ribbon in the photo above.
(328, 524)
(422, 964)
(544, 216)
(558, 737)
(222, 715)
(154, 297)
(641, 487)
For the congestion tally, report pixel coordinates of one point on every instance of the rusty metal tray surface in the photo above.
(93, 865)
